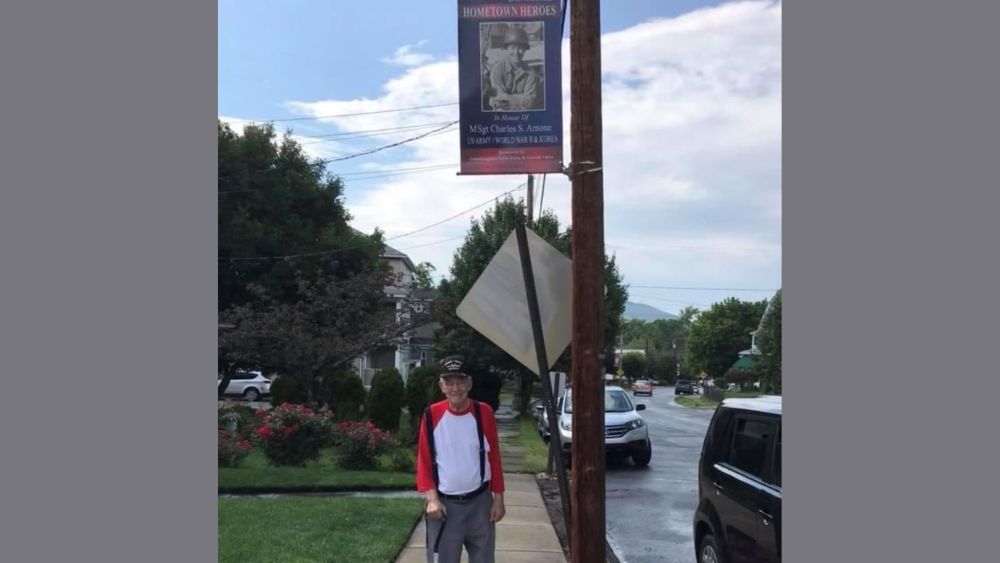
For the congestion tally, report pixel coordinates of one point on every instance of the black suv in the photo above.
(683, 386)
(738, 519)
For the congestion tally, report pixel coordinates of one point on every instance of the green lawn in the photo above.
(535, 450)
(322, 475)
(700, 402)
(315, 529)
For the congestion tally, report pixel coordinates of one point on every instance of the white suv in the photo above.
(625, 432)
(251, 385)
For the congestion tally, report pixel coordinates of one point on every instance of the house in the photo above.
(414, 348)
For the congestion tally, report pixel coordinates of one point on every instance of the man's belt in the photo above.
(466, 496)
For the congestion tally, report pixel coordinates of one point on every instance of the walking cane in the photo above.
(437, 542)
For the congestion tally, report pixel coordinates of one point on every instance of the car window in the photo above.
(240, 376)
(750, 445)
(776, 464)
(614, 401)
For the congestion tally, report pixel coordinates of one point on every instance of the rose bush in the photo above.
(232, 449)
(360, 444)
(292, 435)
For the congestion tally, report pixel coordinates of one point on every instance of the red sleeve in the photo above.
(425, 471)
(490, 430)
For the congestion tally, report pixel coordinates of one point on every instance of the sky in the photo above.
(691, 96)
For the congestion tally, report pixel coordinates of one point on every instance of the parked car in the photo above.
(738, 519)
(683, 387)
(642, 387)
(251, 385)
(625, 432)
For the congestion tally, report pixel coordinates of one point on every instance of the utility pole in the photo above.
(531, 198)
(587, 541)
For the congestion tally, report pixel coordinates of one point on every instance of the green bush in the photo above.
(292, 435)
(740, 377)
(287, 389)
(345, 393)
(385, 402)
(401, 460)
(419, 388)
(244, 419)
(232, 449)
(360, 444)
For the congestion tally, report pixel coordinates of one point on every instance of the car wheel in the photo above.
(709, 551)
(251, 394)
(642, 458)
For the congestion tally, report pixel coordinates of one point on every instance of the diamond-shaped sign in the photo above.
(497, 304)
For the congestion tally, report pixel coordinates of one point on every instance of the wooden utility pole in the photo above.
(587, 542)
(531, 197)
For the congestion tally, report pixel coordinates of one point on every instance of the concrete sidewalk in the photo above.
(525, 533)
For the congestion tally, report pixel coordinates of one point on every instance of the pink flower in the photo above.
(264, 432)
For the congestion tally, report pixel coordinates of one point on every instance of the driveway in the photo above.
(649, 509)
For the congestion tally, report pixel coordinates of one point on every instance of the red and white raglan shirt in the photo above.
(456, 442)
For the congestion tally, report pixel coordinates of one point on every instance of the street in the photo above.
(649, 510)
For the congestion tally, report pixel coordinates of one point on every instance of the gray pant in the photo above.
(467, 523)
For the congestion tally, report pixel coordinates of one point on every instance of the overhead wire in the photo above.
(339, 250)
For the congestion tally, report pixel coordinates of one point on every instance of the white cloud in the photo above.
(405, 55)
(692, 153)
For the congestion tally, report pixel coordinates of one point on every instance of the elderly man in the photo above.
(516, 86)
(459, 472)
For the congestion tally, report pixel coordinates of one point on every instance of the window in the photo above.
(750, 445)
(776, 463)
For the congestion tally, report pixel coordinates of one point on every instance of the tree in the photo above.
(717, 336)
(484, 239)
(332, 322)
(615, 296)
(422, 275)
(767, 366)
(740, 377)
(634, 366)
(274, 202)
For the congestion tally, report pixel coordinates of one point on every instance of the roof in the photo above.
(770, 404)
(390, 252)
(744, 362)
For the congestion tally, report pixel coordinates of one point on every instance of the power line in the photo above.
(339, 250)
(700, 288)
(388, 170)
(457, 215)
(362, 113)
(366, 133)
(433, 243)
(437, 131)
(389, 146)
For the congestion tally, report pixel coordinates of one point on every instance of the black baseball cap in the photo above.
(452, 367)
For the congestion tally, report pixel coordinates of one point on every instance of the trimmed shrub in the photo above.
(346, 394)
(419, 388)
(360, 444)
(385, 402)
(293, 435)
(287, 389)
(739, 377)
(232, 449)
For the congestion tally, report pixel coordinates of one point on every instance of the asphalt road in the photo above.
(649, 509)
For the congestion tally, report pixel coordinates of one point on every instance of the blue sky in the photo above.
(692, 128)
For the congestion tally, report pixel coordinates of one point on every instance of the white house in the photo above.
(414, 348)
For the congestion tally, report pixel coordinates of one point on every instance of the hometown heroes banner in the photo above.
(509, 81)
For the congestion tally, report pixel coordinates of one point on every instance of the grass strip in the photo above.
(327, 529)
(255, 476)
